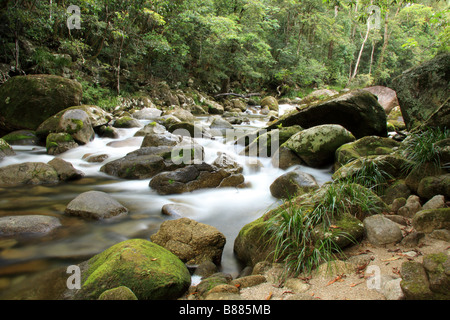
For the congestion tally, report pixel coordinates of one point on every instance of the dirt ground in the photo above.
(346, 281)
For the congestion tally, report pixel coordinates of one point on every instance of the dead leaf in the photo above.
(356, 284)
(269, 296)
(338, 278)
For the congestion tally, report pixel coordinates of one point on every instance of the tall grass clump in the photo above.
(293, 230)
(421, 148)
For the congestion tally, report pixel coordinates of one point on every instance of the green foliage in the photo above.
(421, 148)
(293, 229)
(284, 45)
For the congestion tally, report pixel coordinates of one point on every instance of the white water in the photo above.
(226, 209)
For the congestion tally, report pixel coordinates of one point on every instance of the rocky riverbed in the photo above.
(184, 201)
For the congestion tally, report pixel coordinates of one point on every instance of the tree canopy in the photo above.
(221, 45)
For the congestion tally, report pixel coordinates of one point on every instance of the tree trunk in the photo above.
(118, 64)
(385, 43)
(355, 71)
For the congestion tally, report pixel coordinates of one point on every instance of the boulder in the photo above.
(76, 122)
(214, 107)
(147, 114)
(317, 146)
(357, 111)
(151, 128)
(433, 219)
(367, 146)
(95, 205)
(387, 97)
(58, 143)
(118, 294)
(27, 101)
(319, 95)
(145, 163)
(431, 186)
(195, 177)
(126, 123)
(411, 207)
(148, 270)
(227, 162)
(161, 140)
(437, 202)
(293, 184)
(25, 226)
(284, 159)
(22, 138)
(437, 267)
(380, 230)
(5, 149)
(396, 190)
(423, 93)
(191, 241)
(267, 144)
(97, 118)
(270, 102)
(28, 173)
(65, 170)
(415, 284)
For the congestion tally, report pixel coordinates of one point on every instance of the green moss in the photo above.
(149, 270)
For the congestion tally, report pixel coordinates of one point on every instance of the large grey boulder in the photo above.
(380, 230)
(357, 111)
(293, 184)
(95, 205)
(31, 225)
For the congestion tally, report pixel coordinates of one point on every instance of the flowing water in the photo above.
(226, 209)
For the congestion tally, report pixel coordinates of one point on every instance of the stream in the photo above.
(226, 209)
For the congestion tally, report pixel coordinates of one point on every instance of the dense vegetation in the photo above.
(287, 46)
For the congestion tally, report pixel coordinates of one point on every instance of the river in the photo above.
(226, 209)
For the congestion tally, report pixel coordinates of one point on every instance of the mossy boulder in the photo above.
(423, 93)
(432, 219)
(148, 270)
(22, 138)
(317, 146)
(62, 121)
(391, 166)
(28, 173)
(118, 294)
(437, 266)
(27, 101)
(432, 186)
(5, 149)
(58, 143)
(253, 244)
(270, 102)
(126, 122)
(293, 184)
(367, 146)
(357, 111)
(415, 284)
(267, 144)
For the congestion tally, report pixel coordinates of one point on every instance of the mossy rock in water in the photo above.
(97, 118)
(5, 149)
(270, 102)
(150, 271)
(367, 146)
(22, 138)
(317, 146)
(58, 143)
(267, 144)
(27, 101)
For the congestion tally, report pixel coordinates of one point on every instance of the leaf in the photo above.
(391, 259)
(269, 296)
